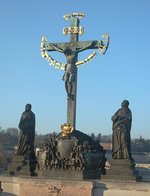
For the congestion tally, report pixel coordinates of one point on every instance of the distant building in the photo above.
(107, 146)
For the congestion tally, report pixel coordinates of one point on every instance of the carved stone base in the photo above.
(121, 170)
(34, 186)
(21, 165)
(70, 174)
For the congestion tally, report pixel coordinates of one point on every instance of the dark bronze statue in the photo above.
(27, 131)
(71, 150)
(70, 67)
(121, 141)
(71, 50)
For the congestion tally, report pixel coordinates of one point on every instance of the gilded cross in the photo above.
(71, 50)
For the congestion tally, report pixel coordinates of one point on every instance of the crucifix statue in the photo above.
(71, 50)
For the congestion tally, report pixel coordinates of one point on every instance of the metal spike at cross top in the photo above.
(71, 50)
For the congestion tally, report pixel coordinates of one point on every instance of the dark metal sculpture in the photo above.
(71, 150)
(27, 131)
(71, 50)
(121, 141)
(70, 67)
(25, 149)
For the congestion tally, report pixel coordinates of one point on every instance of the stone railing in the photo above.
(144, 171)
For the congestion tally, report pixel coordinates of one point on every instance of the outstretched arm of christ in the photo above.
(57, 48)
(84, 48)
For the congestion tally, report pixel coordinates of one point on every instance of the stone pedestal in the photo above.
(121, 170)
(70, 174)
(21, 165)
(34, 186)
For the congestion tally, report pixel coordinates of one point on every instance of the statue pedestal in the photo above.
(70, 174)
(21, 165)
(121, 170)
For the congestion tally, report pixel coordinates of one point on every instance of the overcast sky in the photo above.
(122, 73)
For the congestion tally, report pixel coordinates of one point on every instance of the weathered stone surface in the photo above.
(19, 166)
(10, 186)
(31, 186)
(116, 188)
(70, 174)
(52, 189)
(121, 170)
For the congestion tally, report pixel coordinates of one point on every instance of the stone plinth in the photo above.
(33, 186)
(21, 165)
(70, 174)
(121, 170)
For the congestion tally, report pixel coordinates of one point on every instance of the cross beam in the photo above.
(94, 44)
(71, 50)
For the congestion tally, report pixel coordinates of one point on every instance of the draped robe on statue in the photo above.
(121, 140)
(27, 132)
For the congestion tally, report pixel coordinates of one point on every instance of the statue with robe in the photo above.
(27, 131)
(121, 141)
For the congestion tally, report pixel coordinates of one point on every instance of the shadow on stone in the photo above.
(7, 194)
